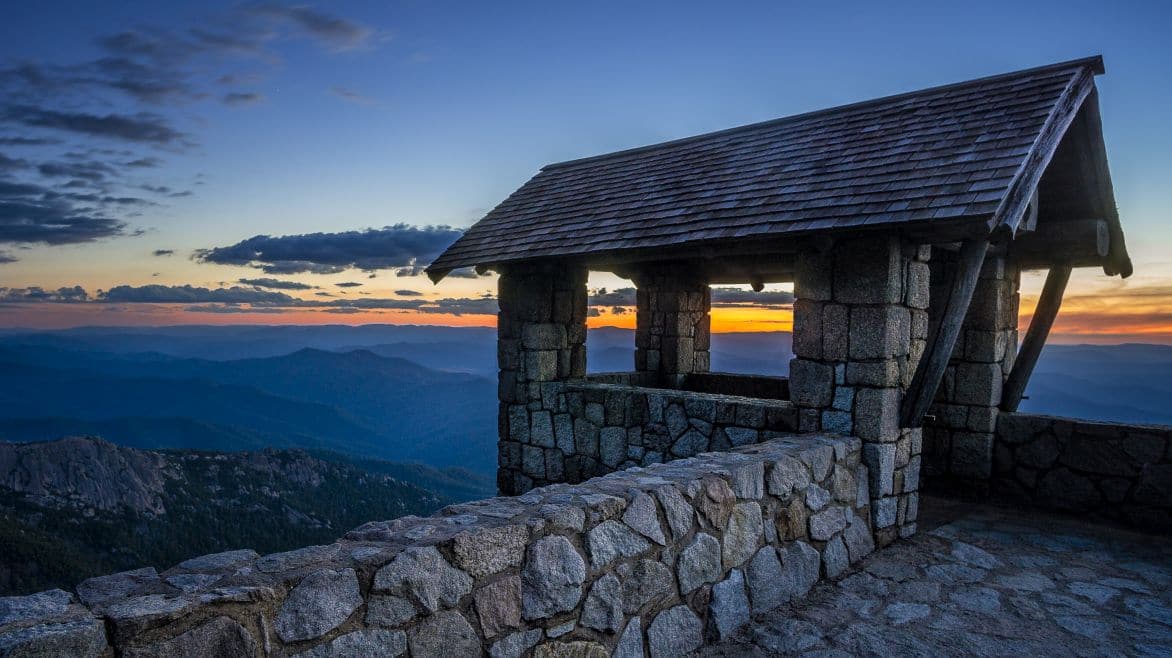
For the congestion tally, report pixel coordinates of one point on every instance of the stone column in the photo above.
(860, 324)
(541, 342)
(959, 442)
(673, 325)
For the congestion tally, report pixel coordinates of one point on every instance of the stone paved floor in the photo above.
(984, 581)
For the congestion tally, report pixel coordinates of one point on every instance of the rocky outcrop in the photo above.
(66, 507)
(645, 562)
(87, 474)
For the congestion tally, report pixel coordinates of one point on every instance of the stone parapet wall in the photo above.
(1114, 471)
(644, 562)
(727, 383)
(767, 387)
(596, 427)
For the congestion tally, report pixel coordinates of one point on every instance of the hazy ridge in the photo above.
(276, 437)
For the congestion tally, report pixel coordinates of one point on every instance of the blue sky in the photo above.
(352, 115)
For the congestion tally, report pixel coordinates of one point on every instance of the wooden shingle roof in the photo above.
(969, 152)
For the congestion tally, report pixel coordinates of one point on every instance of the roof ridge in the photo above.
(1094, 62)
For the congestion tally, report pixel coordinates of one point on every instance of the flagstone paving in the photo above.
(986, 581)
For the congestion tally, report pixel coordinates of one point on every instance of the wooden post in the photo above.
(1031, 347)
(932, 365)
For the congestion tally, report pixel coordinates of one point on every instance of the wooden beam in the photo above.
(1078, 243)
(941, 342)
(1031, 347)
(1012, 208)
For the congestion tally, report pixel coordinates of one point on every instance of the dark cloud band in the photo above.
(392, 247)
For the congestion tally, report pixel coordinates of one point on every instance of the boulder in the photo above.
(551, 581)
(423, 575)
(320, 603)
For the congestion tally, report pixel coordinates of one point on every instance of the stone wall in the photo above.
(860, 328)
(958, 450)
(1114, 471)
(645, 562)
(603, 423)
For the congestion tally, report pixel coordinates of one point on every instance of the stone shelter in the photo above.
(646, 513)
(904, 224)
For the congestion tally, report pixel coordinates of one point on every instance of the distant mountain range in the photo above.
(401, 393)
(76, 507)
(356, 402)
(318, 429)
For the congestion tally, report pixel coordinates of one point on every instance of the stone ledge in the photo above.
(643, 561)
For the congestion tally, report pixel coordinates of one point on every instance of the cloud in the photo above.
(772, 299)
(164, 252)
(243, 98)
(261, 295)
(9, 164)
(187, 294)
(28, 141)
(31, 214)
(95, 172)
(333, 31)
(276, 284)
(397, 246)
(67, 295)
(164, 190)
(348, 284)
(152, 83)
(229, 308)
(298, 267)
(617, 297)
(449, 306)
(137, 91)
(6, 257)
(721, 296)
(352, 96)
(142, 127)
(408, 293)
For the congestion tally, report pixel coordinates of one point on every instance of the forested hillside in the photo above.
(79, 507)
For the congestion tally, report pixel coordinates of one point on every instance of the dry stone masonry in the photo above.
(860, 328)
(1114, 471)
(647, 562)
(541, 342)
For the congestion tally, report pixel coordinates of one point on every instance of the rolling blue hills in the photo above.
(355, 403)
(404, 394)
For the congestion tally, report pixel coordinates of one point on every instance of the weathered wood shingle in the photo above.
(938, 155)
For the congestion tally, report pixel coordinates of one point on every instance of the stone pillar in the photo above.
(541, 342)
(672, 323)
(860, 324)
(959, 441)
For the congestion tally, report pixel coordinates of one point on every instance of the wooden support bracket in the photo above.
(941, 342)
(1031, 347)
